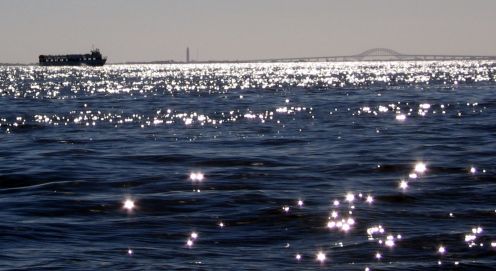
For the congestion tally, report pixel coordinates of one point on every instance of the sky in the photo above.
(147, 30)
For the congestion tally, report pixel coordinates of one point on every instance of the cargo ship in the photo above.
(93, 59)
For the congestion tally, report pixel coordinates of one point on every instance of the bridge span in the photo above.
(376, 54)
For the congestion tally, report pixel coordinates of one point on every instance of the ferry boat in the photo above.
(93, 59)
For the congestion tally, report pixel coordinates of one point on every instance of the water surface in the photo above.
(379, 165)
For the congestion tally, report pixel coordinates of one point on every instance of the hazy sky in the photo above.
(147, 30)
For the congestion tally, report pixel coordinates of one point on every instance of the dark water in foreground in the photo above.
(386, 166)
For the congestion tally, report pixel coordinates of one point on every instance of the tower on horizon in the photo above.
(187, 54)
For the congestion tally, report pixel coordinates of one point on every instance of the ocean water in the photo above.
(296, 166)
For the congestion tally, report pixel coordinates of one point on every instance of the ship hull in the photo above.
(95, 63)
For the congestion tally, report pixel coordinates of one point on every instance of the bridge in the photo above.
(376, 54)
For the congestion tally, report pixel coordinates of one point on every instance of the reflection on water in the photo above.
(348, 166)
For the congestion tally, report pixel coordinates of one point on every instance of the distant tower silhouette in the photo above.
(187, 54)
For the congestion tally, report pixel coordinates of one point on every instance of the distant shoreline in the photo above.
(169, 62)
(18, 64)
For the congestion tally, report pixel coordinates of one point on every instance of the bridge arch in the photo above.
(379, 52)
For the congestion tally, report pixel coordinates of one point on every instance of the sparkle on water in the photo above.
(321, 256)
(441, 250)
(401, 117)
(378, 255)
(420, 167)
(334, 214)
(389, 241)
(196, 176)
(350, 197)
(128, 204)
(189, 243)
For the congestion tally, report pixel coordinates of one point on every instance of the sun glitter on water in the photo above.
(420, 167)
(196, 176)
(321, 257)
(128, 205)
